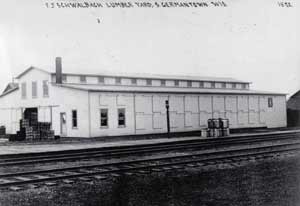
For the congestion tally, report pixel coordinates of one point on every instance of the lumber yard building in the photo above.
(93, 105)
(293, 110)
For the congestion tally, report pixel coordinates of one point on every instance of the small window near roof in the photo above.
(101, 80)
(201, 84)
(133, 81)
(189, 83)
(213, 85)
(223, 85)
(149, 82)
(176, 83)
(118, 80)
(243, 86)
(163, 82)
(82, 79)
(233, 85)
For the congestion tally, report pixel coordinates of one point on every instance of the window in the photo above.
(121, 117)
(64, 78)
(176, 83)
(149, 82)
(133, 81)
(34, 89)
(233, 85)
(243, 86)
(23, 90)
(82, 79)
(118, 80)
(101, 80)
(213, 85)
(201, 84)
(270, 102)
(74, 118)
(104, 117)
(163, 82)
(224, 85)
(45, 88)
(189, 83)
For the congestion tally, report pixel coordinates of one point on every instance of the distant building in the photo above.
(91, 105)
(293, 110)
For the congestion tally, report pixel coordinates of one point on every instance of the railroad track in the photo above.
(22, 180)
(122, 151)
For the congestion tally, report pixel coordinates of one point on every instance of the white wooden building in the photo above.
(91, 105)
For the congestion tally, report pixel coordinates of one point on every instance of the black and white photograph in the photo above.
(149, 103)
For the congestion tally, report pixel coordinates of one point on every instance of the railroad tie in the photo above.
(22, 178)
(99, 177)
(67, 181)
(50, 183)
(41, 176)
(32, 186)
(115, 175)
(15, 188)
(5, 181)
(84, 179)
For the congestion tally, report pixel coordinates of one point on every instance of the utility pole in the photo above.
(168, 117)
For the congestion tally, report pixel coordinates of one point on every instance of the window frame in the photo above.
(103, 126)
(34, 89)
(176, 83)
(45, 88)
(133, 81)
(74, 118)
(124, 111)
(223, 85)
(101, 80)
(213, 85)
(118, 80)
(82, 79)
(23, 90)
(149, 82)
(270, 102)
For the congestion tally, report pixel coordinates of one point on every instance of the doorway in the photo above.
(31, 114)
(63, 124)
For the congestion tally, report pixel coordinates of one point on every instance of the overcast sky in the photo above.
(251, 40)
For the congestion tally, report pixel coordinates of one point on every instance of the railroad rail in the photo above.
(21, 180)
(120, 151)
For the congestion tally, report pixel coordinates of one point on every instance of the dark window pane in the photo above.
(74, 118)
(103, 117)
(121, 117)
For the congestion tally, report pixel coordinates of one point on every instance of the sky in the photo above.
(251, 40)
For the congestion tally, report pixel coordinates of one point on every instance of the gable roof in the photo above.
(10, 86)
(28, 70)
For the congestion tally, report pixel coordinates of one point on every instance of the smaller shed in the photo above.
(293, 110)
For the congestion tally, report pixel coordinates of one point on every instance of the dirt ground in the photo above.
(272, 182)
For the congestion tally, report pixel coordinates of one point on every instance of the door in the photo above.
(63, 124)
